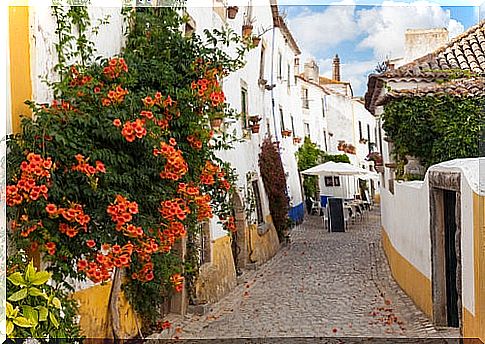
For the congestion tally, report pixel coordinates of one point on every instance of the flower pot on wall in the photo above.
(216, 123)
(296, 140)
(286, 133)
(247, 30)
(256, 40)
(255, 128)
(232, 11)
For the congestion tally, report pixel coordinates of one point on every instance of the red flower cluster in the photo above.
(115, 67)
(204, 208)
(230, 224)
(194, 142)
(121, 211)
(145, 274)
(74, 214)
(207, 176)
(174, 209)
(150, 101)
(50, 247)
(115, 96)
(176, 167)
(169, 235)
(100, 268)
(78, 79)
(132, 130)
(33, 170)
(177, 281)
(83, 167)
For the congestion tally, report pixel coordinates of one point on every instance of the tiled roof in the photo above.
(323, 80)
(460, 88)
(465, 52)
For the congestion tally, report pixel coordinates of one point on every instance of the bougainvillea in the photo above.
(122, 163)
(274, 181)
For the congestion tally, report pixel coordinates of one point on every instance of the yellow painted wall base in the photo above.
(264, 246)
(412, 281)
(217, 277)
(93, 310)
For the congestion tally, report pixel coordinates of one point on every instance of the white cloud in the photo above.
(317, 31)
(384, 26)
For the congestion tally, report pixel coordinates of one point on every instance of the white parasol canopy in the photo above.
(335, 168)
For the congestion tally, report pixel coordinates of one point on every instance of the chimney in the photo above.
(311, 71)
(336, 68)
(419, 42)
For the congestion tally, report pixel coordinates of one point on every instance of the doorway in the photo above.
(451, 262)
(445, 202)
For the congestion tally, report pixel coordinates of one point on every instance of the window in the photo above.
(328, 181)
(336, 181)
(360, 131)
(244, 107)
(306, 104)
(257, 197)
(307, 129)
(282, 119)
(368, 137)
(280, 65)
(288, 76)
(323, 107)
(261, 62)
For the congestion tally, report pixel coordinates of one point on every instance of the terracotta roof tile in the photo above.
(466, 87)
(466, 52)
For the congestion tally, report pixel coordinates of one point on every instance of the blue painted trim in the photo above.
(297, 213)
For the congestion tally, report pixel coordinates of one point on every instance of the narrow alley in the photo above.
(322, 284)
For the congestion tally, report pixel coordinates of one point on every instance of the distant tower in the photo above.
(336, 68)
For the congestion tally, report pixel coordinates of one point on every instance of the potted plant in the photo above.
(232, 11)
(363, 141)
(247, 27)
(296, 140)
(285, 133)
(255, 128)
(216, 121)
(256, 40)
(254, 123)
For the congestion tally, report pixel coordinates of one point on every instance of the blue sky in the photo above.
(363, 35)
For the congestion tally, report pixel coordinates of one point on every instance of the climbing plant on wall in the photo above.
(434, 128)
(121, 165)
(274, 180)
(308, 156)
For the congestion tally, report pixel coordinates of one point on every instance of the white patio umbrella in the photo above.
(335, 168)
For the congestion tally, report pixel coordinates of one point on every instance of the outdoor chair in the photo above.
(325, 218)
(358, 212)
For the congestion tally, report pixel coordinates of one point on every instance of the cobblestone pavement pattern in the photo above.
(321, 284)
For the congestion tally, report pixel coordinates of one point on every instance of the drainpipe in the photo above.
(272, 88)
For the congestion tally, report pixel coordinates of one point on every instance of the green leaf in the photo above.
(43, 311)
(33, 291)
(53, 320)
(9, 309)
(56, 302)
(22, 322)
(31, 314)
(17, 279)
(10, 327)
(40, 277)
(20, 295)
(30, 271)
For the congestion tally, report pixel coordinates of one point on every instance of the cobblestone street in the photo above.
(322, 284)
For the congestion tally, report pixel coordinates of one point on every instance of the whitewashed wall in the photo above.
(108, 42)
(244, 156)
(410, 235)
